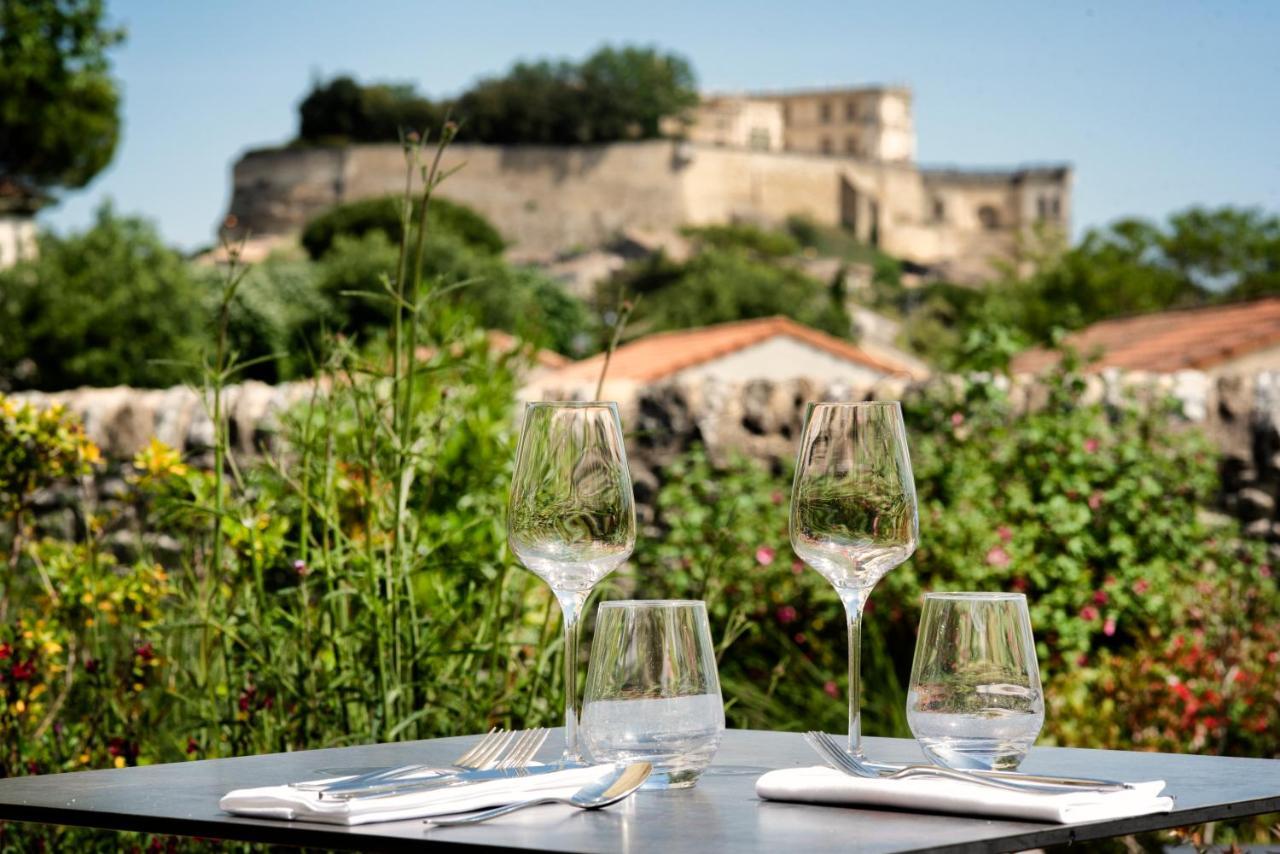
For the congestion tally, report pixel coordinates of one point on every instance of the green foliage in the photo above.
(344, 111)
(752, 238)
(37, 449)
(110, 306)
(383, 214)
(486, 288)
(59, 121)
(719, 285)
(1131, 266)
(614, 94)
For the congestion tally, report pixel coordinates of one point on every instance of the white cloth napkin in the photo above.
(822, 785)
(286, 802)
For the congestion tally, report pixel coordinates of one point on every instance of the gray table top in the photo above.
(721, 813)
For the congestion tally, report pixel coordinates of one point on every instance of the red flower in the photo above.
(5, 651)
(1019, 585)
(146, 652)
(765, 555)
(192, 747)
(1004, 533)
(997, 556)
(1099, 597)
(1082, 660)
(831, 689)
(800, 638)
(1141, 586)
(1265, 570)
(90, 665)
(786, 615)
(23, 670)
(1091, 445)
(1088, 613)
(797, 567)
(776, 497)
(1095, 500)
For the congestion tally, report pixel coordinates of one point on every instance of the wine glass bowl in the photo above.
(571, 513)
(853, 509)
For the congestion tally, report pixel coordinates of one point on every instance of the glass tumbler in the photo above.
(653, 693)
(975, 700)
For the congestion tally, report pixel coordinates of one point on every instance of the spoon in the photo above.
(610, 789)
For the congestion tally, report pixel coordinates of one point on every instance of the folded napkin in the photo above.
(822, 785)
(286, 802)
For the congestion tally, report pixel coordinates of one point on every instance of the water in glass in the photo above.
(653, 693)
(975, 699)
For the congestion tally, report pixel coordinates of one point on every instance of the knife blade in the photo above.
(439, 781)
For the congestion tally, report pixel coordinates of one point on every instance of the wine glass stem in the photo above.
(853, 604)
(571, 607)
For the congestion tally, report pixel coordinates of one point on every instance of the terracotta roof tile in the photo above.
(658, 356)
(1168, 341)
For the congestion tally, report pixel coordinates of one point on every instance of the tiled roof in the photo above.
(1168, 341)
(658, 356)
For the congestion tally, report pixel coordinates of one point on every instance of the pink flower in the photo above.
(1091, 445)
(831, 689)
(1095, 500)
(776, 497)
(797, 567)
(300, 567)
(765, 555)
(800, 638)
(1265, 570)
(1141, 586)
(786, 614)
(1100, 597)
(1109, 627)
(1082, 660)
(1088, 613)
(997, 556)
(957, 418)
(1004, 533)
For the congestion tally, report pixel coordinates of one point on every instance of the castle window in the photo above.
(1055, 207)
(939, 210)
(824, 112)
(989, 217)
(850, 111)
(851, 145)
(826, 145)
(786, 113)
(1042, 207)
(759, 139)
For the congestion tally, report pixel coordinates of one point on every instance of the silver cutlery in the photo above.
(834, 755)
(610, 789)
(485, 753)
(513, 763)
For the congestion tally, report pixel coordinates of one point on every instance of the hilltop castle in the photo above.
(839, 156)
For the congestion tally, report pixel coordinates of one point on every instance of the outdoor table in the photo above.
(722, 813)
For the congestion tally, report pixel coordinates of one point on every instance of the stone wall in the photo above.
(1241, 413)
(546, 200)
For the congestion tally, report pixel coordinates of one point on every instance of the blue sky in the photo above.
(1158, 105)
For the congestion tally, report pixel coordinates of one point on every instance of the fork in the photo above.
(834, 755)
(483, 755)
(517, 759)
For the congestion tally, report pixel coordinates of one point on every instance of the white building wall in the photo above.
(17, 239)
(781, 358)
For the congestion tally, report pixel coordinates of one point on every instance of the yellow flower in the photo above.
(19, 707)
(119, 762)
(52, 647)
(86, 598)
(84, 758)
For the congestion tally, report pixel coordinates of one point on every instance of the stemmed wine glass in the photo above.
(571, 518)
(853, 510)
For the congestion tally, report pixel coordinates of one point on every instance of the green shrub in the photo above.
(110, 306)
(760, 241)
(277, 318)
(720, 285)
(383, 214)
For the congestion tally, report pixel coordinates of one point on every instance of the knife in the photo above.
(340, 791)
(1018, 776)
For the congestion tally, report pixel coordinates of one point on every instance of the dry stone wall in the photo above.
(761, 419)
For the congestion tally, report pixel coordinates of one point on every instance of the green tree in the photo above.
(59, 121)
(110, 306)
(720, 285)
